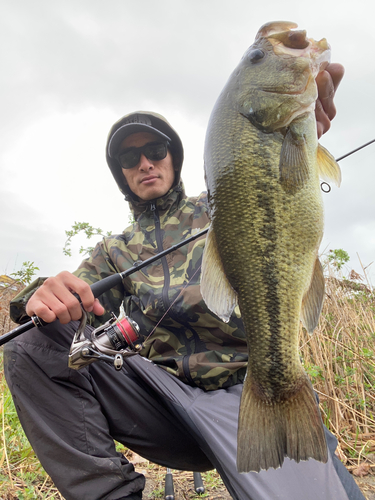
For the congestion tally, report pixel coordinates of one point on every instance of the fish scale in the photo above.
(262, 167)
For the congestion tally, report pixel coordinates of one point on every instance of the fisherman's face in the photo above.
(148, 179)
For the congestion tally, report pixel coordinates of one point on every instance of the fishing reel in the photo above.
(111, 342)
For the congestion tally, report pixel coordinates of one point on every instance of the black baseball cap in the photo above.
(136, 122)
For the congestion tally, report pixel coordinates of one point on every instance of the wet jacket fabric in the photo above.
(164, 298)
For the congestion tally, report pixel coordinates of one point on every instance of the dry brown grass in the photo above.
(339, 357)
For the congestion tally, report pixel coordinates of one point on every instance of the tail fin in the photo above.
(268, 431)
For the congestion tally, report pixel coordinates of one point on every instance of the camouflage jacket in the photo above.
(179, 332)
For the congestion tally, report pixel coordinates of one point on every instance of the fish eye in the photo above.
(256, 55)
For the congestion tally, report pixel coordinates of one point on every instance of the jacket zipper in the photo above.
(165, 297)
(159, 243)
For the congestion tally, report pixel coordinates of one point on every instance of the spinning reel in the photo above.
(111, 342)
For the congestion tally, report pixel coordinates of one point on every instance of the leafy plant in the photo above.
(338, 258)
(88, 230)
(25, 274)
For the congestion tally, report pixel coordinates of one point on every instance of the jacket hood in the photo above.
(131, 123)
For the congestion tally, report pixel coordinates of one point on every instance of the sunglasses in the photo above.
(154, 151)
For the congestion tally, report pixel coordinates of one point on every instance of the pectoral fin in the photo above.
(312, 302)
(294, 168)
(216, 290)
(329, 169)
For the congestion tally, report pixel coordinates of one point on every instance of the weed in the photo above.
(158, 493)
(339, 359)
(212, 480)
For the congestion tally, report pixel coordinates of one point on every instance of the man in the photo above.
(180, 410)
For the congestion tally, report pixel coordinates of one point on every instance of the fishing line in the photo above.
(327, 187)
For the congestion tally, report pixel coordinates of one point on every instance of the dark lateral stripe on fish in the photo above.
(265, 199)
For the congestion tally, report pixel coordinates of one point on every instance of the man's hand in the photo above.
(54, 299)
(327, 82)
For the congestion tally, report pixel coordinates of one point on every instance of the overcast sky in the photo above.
(71, 68)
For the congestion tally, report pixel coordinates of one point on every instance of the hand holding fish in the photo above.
(327, 82)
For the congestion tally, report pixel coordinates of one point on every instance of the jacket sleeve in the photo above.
(92, 269)
(96, 267)
(17, 310)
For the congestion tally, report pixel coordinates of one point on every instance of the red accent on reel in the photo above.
(127, 330)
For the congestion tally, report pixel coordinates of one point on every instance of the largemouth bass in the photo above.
(262, 167)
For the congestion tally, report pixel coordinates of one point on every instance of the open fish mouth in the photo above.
(307, 56)
(287, 41)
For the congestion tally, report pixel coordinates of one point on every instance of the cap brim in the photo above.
(128, 129)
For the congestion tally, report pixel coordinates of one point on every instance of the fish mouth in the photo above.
(286, 40)
(290, 43)
(318, 52)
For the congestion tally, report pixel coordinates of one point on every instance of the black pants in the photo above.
(72, 417)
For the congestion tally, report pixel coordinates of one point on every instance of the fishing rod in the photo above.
(325, 187)
(102, 286)
(355, 150)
